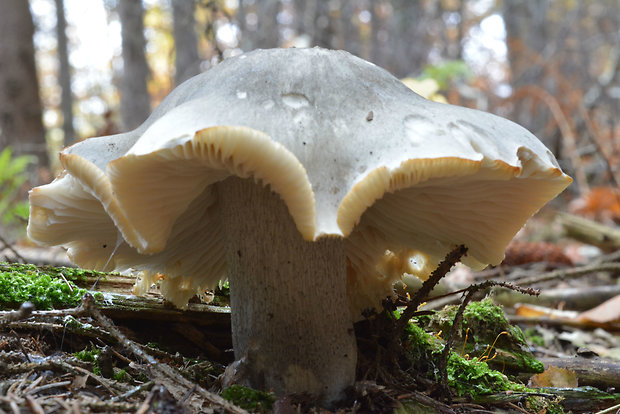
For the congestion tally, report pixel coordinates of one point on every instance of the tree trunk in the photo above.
(187, 62)
(399, 42)
(324, 25)
(526, 37)
(64, 74)
(408, 37)
(291, 325)
(261, 31)
(135, 101)
(305, 11)
(21, 124)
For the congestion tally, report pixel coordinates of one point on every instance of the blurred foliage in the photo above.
(13, 174)
(160, 51)
(447, 72)
(440, 77)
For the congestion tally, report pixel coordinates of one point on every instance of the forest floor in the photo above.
(109, 351)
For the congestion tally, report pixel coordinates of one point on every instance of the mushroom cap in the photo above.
(351, 150)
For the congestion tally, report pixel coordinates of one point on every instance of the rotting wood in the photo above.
(119, 306)
(590, 232)
(590, 371)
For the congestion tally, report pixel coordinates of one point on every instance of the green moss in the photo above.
(486, 334)
(159, 346)
(90, 355)
(534, 337)
(537, 404)
(221, 295)
(248, 398)
(473, 366)
(121, 376)
(466, 376)
(203, 373)
(87, 355)
(474, 377)
(421, 343)
(73, 274)
(46, 290)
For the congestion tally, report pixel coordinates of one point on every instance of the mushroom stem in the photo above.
(291, 325)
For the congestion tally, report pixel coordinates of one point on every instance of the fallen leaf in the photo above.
(79, 382)
(606, 312)
(554, 377)
(533, 311)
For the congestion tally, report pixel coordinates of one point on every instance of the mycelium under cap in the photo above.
(351, 150)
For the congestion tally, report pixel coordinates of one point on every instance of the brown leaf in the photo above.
(554, 377)
(601, 204)
(606, 312)
(534, 311)
(79, 381)
(519, 252)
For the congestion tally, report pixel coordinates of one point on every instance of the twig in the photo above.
(47, 387)
(110, 407)
(18, 256)
(609, 410)
(458, 318)
(24, 312)
(444, 267)
(8, 370)
(157, 369)
(568, 273)
(516, 407)
(34, 406)
(146, 404)
(78, 329)
(75, 312)
(136, 390)
(101, 380)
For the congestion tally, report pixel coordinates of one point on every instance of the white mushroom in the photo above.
(309, 178)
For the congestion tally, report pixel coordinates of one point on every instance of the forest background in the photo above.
(73, 69)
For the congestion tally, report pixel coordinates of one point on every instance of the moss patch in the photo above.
(249, 398)
(487, 335)
(45, 289)
(90, 355)
(472, 376)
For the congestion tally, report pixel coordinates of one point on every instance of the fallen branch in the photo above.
(161, 373)
(13, 251)
(590, 232)
(597, 372)
(568, 273)
(571, 298)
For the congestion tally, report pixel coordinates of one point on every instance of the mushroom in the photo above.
(312, 180)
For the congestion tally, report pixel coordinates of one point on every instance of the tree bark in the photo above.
(187, 62)
(262, 31)
(305, 11)
(64, 74)
(21, 124)
(527, 34)
(291, 325)
(135, 100)
(399, 36)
